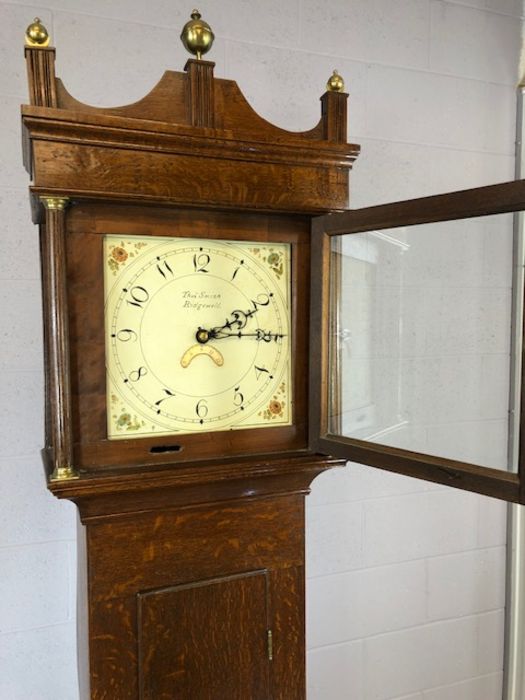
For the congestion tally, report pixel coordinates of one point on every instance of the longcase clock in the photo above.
(198, 374)
(175, 237)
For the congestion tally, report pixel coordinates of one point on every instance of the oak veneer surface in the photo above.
(193, 140)
(186, 650)
(235, 566)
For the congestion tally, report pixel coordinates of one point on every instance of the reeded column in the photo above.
(60, 438)
(200, 92)
(197, 37)
(40, 59)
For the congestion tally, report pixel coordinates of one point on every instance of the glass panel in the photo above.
(421, 338)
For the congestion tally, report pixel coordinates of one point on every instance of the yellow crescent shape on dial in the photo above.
(197, 350)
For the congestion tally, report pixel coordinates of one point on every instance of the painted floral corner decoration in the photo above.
(120, 253)
(272, 257)
(277, 405)
(123, 420)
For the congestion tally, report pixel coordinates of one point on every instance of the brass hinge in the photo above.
(270, 645)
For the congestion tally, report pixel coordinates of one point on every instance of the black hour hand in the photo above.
(238, 319)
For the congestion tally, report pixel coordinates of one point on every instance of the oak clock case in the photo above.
(175, 239)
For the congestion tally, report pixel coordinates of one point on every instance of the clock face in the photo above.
(197, 335)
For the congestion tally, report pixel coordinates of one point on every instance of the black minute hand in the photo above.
(265, 336)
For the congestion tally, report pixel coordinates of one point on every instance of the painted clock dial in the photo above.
(197, 335)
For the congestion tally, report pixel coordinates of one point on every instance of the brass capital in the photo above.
(63, 473)
(37, 35)
(59, 203)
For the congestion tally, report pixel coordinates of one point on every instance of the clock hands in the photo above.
(260, 334)
(203, 336)
(238, 321)
(234, 325)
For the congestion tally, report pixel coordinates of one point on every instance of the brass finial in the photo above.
(197, 35)
(37, 34)
(335, 83)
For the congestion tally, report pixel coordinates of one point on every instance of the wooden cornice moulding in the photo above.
(190, 126)
(104, 494)
(316, 182)
(144, 134)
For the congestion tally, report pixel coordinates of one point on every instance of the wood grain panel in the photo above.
(169, 589)
(113, 649)
(288, 625)
(165, 102)
(183, 179)
(205, 640)
(152, 550)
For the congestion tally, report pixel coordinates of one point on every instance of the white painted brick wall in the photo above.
(406, 580)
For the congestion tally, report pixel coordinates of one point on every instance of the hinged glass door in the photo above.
(411, 337)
